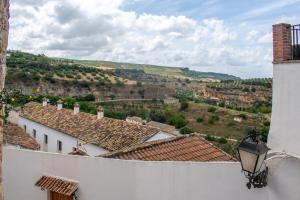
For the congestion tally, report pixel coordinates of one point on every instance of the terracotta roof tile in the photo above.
(110, 134)
(57, 184)
(181, 148)
(15, 135)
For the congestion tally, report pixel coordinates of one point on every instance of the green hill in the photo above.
(40, 66)
(179, 72)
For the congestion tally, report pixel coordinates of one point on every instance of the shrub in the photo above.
(184, 105)
(158, 116)
(211, 121)
(222, 140)
(243, 116)
(186, 130)
(222, 104)
(200, 119)
(267, 123)
(210, 138)
(178, 121)
(215, 117)
(211, 109)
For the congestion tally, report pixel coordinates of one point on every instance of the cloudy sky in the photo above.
(228, 36)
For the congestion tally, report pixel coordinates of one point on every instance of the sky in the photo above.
(226, 36)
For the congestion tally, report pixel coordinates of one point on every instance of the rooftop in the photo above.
(110, 134)
(161, 126)
(181, 148)
(15, 135)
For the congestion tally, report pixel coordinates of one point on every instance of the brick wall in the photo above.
(282, 42)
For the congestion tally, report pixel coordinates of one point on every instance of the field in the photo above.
(221, 121)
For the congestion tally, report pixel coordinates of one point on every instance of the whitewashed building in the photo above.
(61, 130)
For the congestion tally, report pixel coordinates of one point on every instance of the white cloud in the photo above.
(101, 30)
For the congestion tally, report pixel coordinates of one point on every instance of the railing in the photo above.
(296, 42)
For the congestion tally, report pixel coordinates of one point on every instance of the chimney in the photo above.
(59, 104)
(100, 112)
(282, 42)
(45, 101)
(76, 108)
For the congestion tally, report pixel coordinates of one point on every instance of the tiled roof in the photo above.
(161, 126)
(110, 134)
(63, 120)
(181, 148)
(15, 135)
(58, 184)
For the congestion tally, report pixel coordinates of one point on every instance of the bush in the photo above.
(215, 117)
(211, 121)
(158, 116)
(184, 105)
(267, 123)
(243, 116)
(200, 119)
(211, 109)
(178, 121)
(222, 140)
(210, 138)
(186, 130)
(222, 104)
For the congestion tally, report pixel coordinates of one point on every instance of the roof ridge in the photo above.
(143, 146)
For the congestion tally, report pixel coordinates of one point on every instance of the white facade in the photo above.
(284, 134)
(68, 142)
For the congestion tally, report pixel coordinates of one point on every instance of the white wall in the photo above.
(68, 142)
(284, 134)
(111, 179)
(159, 136)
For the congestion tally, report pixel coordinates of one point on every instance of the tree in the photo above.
(4, 6)
(186, 130)
(178, 121)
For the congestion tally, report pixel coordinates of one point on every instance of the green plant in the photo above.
(178, 121)
(200, 119)
(186, 130)
(211, 109)
(184, 105)
(210, 138)
(221, 140)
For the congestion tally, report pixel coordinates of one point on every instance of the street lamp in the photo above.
(252, 152)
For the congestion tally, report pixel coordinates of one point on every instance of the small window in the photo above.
(59, 145)
(74, 149)
(34, 133)
(46, 139)
(25, 128)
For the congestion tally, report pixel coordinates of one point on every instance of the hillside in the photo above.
(176, 72)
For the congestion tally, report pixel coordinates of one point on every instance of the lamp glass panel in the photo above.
(248, 160)
(260, 161)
